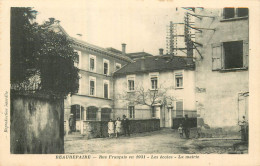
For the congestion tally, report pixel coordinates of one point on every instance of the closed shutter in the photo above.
(245, 54)
(217, 56)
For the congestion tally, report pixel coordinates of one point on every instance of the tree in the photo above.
(148, 97)
(38, 50)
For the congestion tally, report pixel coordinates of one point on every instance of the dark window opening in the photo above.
(154, 82)
(92, 64)
(233, 54)
(92, 113)
(229, 13)
(105, 114)
(242, 12)
(131, 111)
(92, 87)
(105, 68)
(106, 90)
(131, 85)
(153, 112)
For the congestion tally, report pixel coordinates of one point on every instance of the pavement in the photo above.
(156, 142)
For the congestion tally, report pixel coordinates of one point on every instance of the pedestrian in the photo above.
(244, 129)
(180, 130)
(110, 127)
(186, 127)
(118, 126)
(125, 124)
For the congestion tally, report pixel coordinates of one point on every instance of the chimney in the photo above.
(123, 48)
(161, 51)
(79, 36)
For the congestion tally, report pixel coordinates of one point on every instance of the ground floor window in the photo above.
(179, 108)
(153, 112)
(131, 110)
(92, 113)
(105, 114)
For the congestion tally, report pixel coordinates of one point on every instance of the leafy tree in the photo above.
(39, 50)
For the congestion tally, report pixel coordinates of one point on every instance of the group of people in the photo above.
(185, 128)
(116, 128)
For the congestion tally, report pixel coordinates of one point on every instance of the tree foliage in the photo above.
(39, 50)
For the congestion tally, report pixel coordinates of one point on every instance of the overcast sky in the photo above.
(141, 26)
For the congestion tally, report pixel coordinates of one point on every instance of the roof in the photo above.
(157, 63)
(94, 47)
(136, 55)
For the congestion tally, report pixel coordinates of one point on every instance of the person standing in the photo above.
(180, 130)
(186, 127)
(110, 127)
(125, 124)
(118, 126)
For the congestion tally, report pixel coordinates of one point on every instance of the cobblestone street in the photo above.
(157, 142)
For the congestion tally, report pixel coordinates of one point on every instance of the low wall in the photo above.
(37, 124)
(96, 129)
(177, 121)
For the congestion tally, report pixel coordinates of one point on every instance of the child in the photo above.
(118, 126)
(180, 130)
(110, 127)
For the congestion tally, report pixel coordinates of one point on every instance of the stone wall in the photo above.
(37, 124)
(96, 129)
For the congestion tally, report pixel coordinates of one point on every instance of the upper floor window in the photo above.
(80, 84)
(131, 110)
(92, 86)
(118, 66)
(92, 63)
(234, 12)
(131, 82)
(77, 62)
(154, 80)
(179, 80)
(230, 55)
(106, 66)
(106, 89)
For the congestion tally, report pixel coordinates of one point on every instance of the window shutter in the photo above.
(245, 53)
(216, 56)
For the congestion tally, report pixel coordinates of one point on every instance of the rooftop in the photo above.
(157, 63)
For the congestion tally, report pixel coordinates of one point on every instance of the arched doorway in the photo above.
(106, 114)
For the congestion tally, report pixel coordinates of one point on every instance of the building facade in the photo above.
(159, 87)
(94, 99)
(222, 66)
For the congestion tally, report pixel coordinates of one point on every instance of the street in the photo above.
(157, 142)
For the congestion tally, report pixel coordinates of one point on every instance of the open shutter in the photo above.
(216, 56)
(245, 53)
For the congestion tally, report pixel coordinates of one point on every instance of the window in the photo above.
(92, 113)
(77, 62)
(230, 55)
(80, 84)
(106, 89)
(233, 52)
(131, 111)
(131, 82)
(118, 66)
(106, 66)
(92, 62)
(178, 80)
(92, 85)
(234, 12)
(154, 80)
(153, 112)
(179, 108)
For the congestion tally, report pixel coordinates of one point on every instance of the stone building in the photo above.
(94, 100)
(222, 66)
(167, 84)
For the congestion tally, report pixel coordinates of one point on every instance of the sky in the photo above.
(141, 26)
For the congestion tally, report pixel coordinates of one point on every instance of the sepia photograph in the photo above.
(129, 80)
